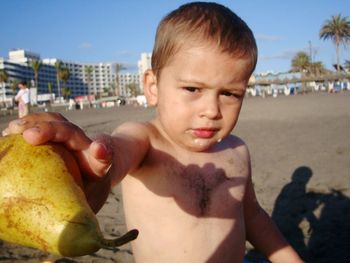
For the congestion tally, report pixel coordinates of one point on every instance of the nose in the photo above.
(210, 107)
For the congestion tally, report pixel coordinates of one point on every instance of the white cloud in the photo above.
(124, 53)
(286, 54)
(85, 45)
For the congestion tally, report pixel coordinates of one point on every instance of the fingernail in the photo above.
(102, 145)
(5, 132)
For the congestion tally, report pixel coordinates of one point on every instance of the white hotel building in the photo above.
(101, 79)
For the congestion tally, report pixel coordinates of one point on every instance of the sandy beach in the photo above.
(300, 151)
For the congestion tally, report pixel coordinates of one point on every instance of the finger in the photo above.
(15, 126)
(44, 116)
(20, 125)
(58, 131)
(100, 151)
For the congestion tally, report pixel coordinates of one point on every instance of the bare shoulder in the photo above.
(237, 151)
(236, 144)
(133, 129)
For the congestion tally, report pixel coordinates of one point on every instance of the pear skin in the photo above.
(42, 204)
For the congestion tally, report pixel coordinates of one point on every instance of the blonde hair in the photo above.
(206, 22)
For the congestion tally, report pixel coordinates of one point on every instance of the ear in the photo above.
(150, 87)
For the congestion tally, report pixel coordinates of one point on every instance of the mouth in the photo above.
(204, 133)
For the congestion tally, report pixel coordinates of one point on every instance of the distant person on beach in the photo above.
(186, 181)
(23, 99)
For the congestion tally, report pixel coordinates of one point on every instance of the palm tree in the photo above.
(88, 71)
(338, 30)
(3, 78)
(36, 64)
(132, 89)
(66, 92)
(58, 66)
(14, 85)
(64, 75)
(318, 68)
(118, 68)
(49, 88)
(301, 62)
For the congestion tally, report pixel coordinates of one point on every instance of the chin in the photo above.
(201, 145)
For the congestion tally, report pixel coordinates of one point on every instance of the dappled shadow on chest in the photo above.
(212, 189)
(202, 191)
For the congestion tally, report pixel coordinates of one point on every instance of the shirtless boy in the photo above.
(186, 180)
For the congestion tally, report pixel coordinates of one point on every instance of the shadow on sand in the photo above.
(316, 224)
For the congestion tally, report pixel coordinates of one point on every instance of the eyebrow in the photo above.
(190, 81)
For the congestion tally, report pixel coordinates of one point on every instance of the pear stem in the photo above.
(117, 242)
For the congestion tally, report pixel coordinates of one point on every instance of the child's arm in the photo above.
(130, 142)
(262, 233)
(127, 147)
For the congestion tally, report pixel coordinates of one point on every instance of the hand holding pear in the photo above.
(42, 204)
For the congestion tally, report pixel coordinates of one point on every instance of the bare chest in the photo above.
(202, 190)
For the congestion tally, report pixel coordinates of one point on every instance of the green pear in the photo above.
(42, 204)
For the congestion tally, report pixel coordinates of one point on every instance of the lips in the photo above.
(204, 133)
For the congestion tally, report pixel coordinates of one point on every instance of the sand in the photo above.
(300, 151)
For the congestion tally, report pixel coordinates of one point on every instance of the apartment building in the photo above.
(127, 81)
(85, 78)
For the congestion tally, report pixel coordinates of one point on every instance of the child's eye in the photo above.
(230, 94)
(226, 93)
(191, 89)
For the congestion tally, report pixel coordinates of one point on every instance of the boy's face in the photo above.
(199, 96)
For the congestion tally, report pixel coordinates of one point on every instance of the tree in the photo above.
(58, 66)
(49, 88)
(318, 68)
(66, 92)
(64, 75)
(111, 89)
(36, 64)
(14, 85)
(88, 71)
(132, 89)
(301, 62)
(336, 29)
(3, 76)
(118, 68)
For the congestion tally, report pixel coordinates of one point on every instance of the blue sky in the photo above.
(118, 31)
